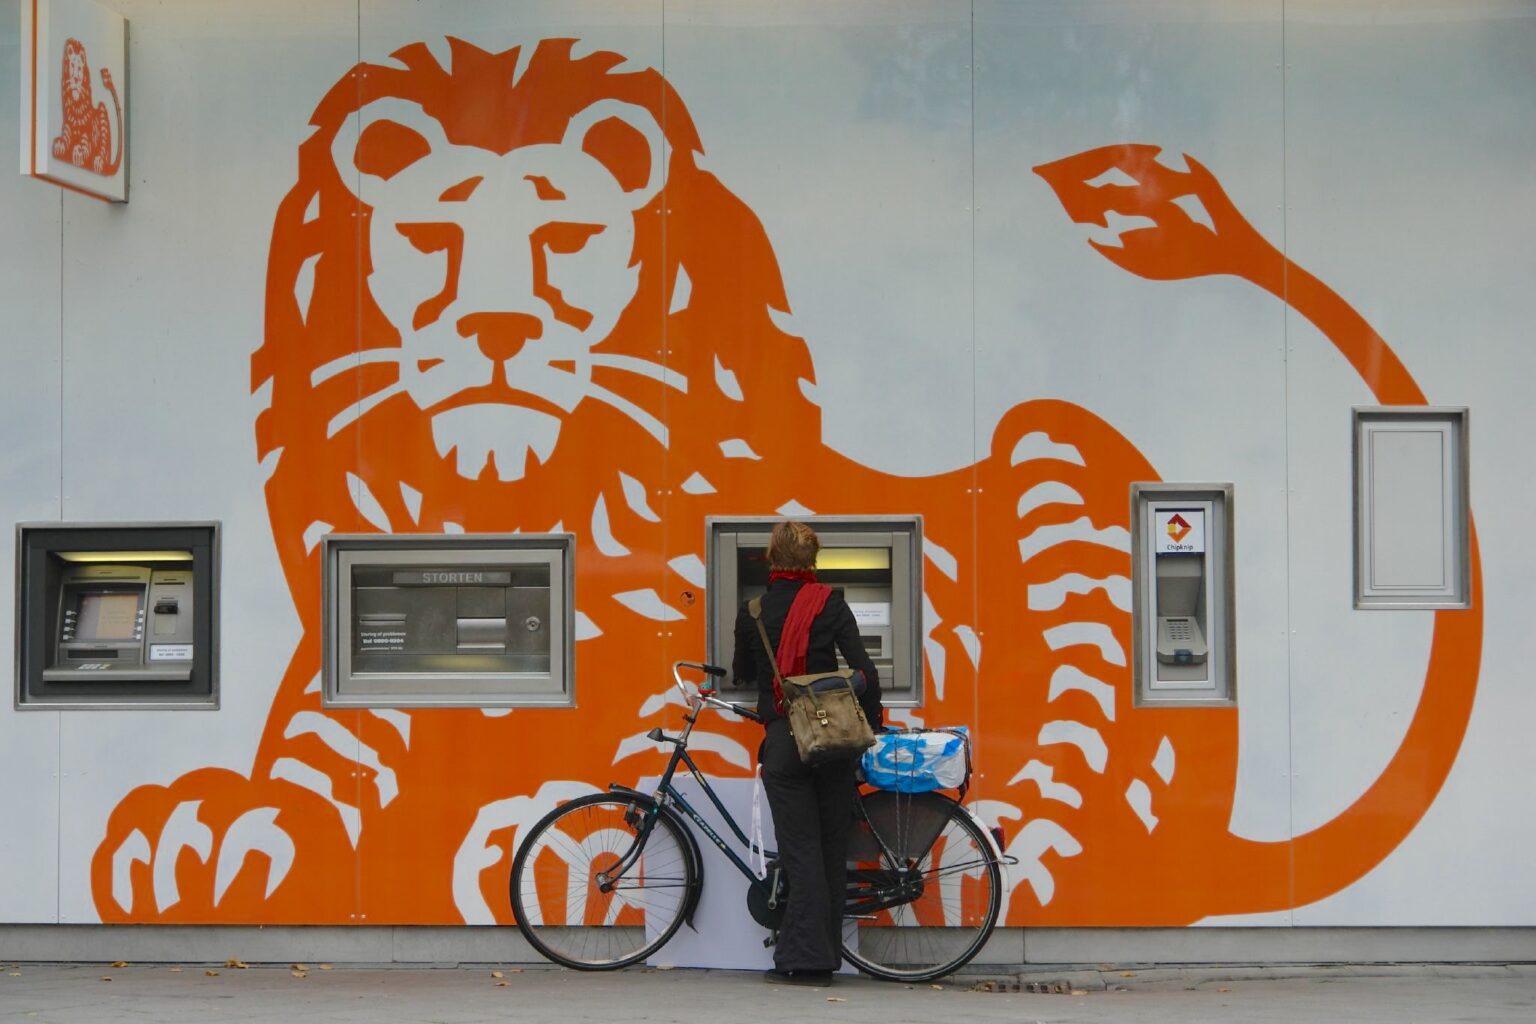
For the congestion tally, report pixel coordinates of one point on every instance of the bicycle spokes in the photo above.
(596, 884)
(928, 897)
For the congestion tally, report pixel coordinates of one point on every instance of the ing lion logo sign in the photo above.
(513, 300)
(86, 138)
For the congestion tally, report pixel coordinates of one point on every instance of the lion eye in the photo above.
(431, 236)
(564, 238)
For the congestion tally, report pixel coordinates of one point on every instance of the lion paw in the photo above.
(215, 846)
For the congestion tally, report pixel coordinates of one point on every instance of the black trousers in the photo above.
(812, 812)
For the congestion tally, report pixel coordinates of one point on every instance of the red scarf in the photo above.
(803, 575)
(795, 638)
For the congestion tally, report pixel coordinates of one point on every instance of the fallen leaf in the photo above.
(299, 967)
(937, 988)
(836, 999)
(1079, 991)
(15, 974)
(663, 967)
(497, 974)
(1223, 990)
(175, 970)
(298, 974)
(120, 963)
(501, 984)
(325, 967)
(211, 974)
(517, 970)
(105, 978)
(232, 962)
(1127, 974)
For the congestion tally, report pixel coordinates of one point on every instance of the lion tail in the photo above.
(117, 157)
(1317, 864)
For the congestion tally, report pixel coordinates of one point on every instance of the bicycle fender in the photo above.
(692, 849)
(1003, 860)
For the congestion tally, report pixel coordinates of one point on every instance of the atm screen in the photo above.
(108, 615)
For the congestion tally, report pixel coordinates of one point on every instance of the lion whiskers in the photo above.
(352, 360)
(361, 407)
(624, 363)
(643, 367)
(646, 421)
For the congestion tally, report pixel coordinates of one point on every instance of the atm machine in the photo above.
(448, 620)
(1183, 593)
(874, 562)
(116, 615)
(121, 621)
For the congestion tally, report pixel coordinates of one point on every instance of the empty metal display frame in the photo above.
(876, 562)
(117, 615)
(451, 620)
(1182, 594)
(1411, 518)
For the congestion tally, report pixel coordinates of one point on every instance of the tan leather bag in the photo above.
(824, 713)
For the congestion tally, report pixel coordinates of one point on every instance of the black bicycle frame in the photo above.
(665, 791)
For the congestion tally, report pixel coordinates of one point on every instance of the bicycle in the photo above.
(606, 879)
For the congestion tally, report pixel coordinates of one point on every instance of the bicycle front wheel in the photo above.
(924, 888)
(593, 890)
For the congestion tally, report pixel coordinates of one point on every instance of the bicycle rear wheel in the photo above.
(570, 905)
(924, 888)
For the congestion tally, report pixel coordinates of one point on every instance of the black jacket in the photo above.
(833, 630)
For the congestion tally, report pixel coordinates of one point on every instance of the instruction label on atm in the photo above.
(871, 613)
(381, 639)
(170, 652)
(1178, 531)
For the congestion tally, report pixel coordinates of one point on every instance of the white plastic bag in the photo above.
(919, 761)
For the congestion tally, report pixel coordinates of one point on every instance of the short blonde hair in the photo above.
(792, 546)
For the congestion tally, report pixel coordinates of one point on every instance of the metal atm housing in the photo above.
(876, 563)
(448, 620)
(1183, 593)
(116, 615)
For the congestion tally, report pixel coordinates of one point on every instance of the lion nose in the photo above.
(500, 335)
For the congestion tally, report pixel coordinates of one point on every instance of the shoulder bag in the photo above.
(822, 707)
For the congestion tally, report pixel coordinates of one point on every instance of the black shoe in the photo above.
(812, 978)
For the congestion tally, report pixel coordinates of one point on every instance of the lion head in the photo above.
(490, 271)
(75, 80)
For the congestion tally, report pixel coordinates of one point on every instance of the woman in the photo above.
(808, 624)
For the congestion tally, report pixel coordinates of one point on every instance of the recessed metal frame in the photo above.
(1223, 576)
(1460, 417)
(480, 690)
(128, 702)
(827, 525)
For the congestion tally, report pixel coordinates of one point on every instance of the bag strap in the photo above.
(755, 608)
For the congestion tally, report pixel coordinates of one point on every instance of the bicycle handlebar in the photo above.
(698, 698)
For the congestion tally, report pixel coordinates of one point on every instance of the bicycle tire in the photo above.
(939, 928)
(579, 839)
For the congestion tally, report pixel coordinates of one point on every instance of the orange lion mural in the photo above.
(508, 297)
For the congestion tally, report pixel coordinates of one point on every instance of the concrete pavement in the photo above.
(1417, 994)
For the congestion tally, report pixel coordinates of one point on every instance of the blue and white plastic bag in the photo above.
(919, 762)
